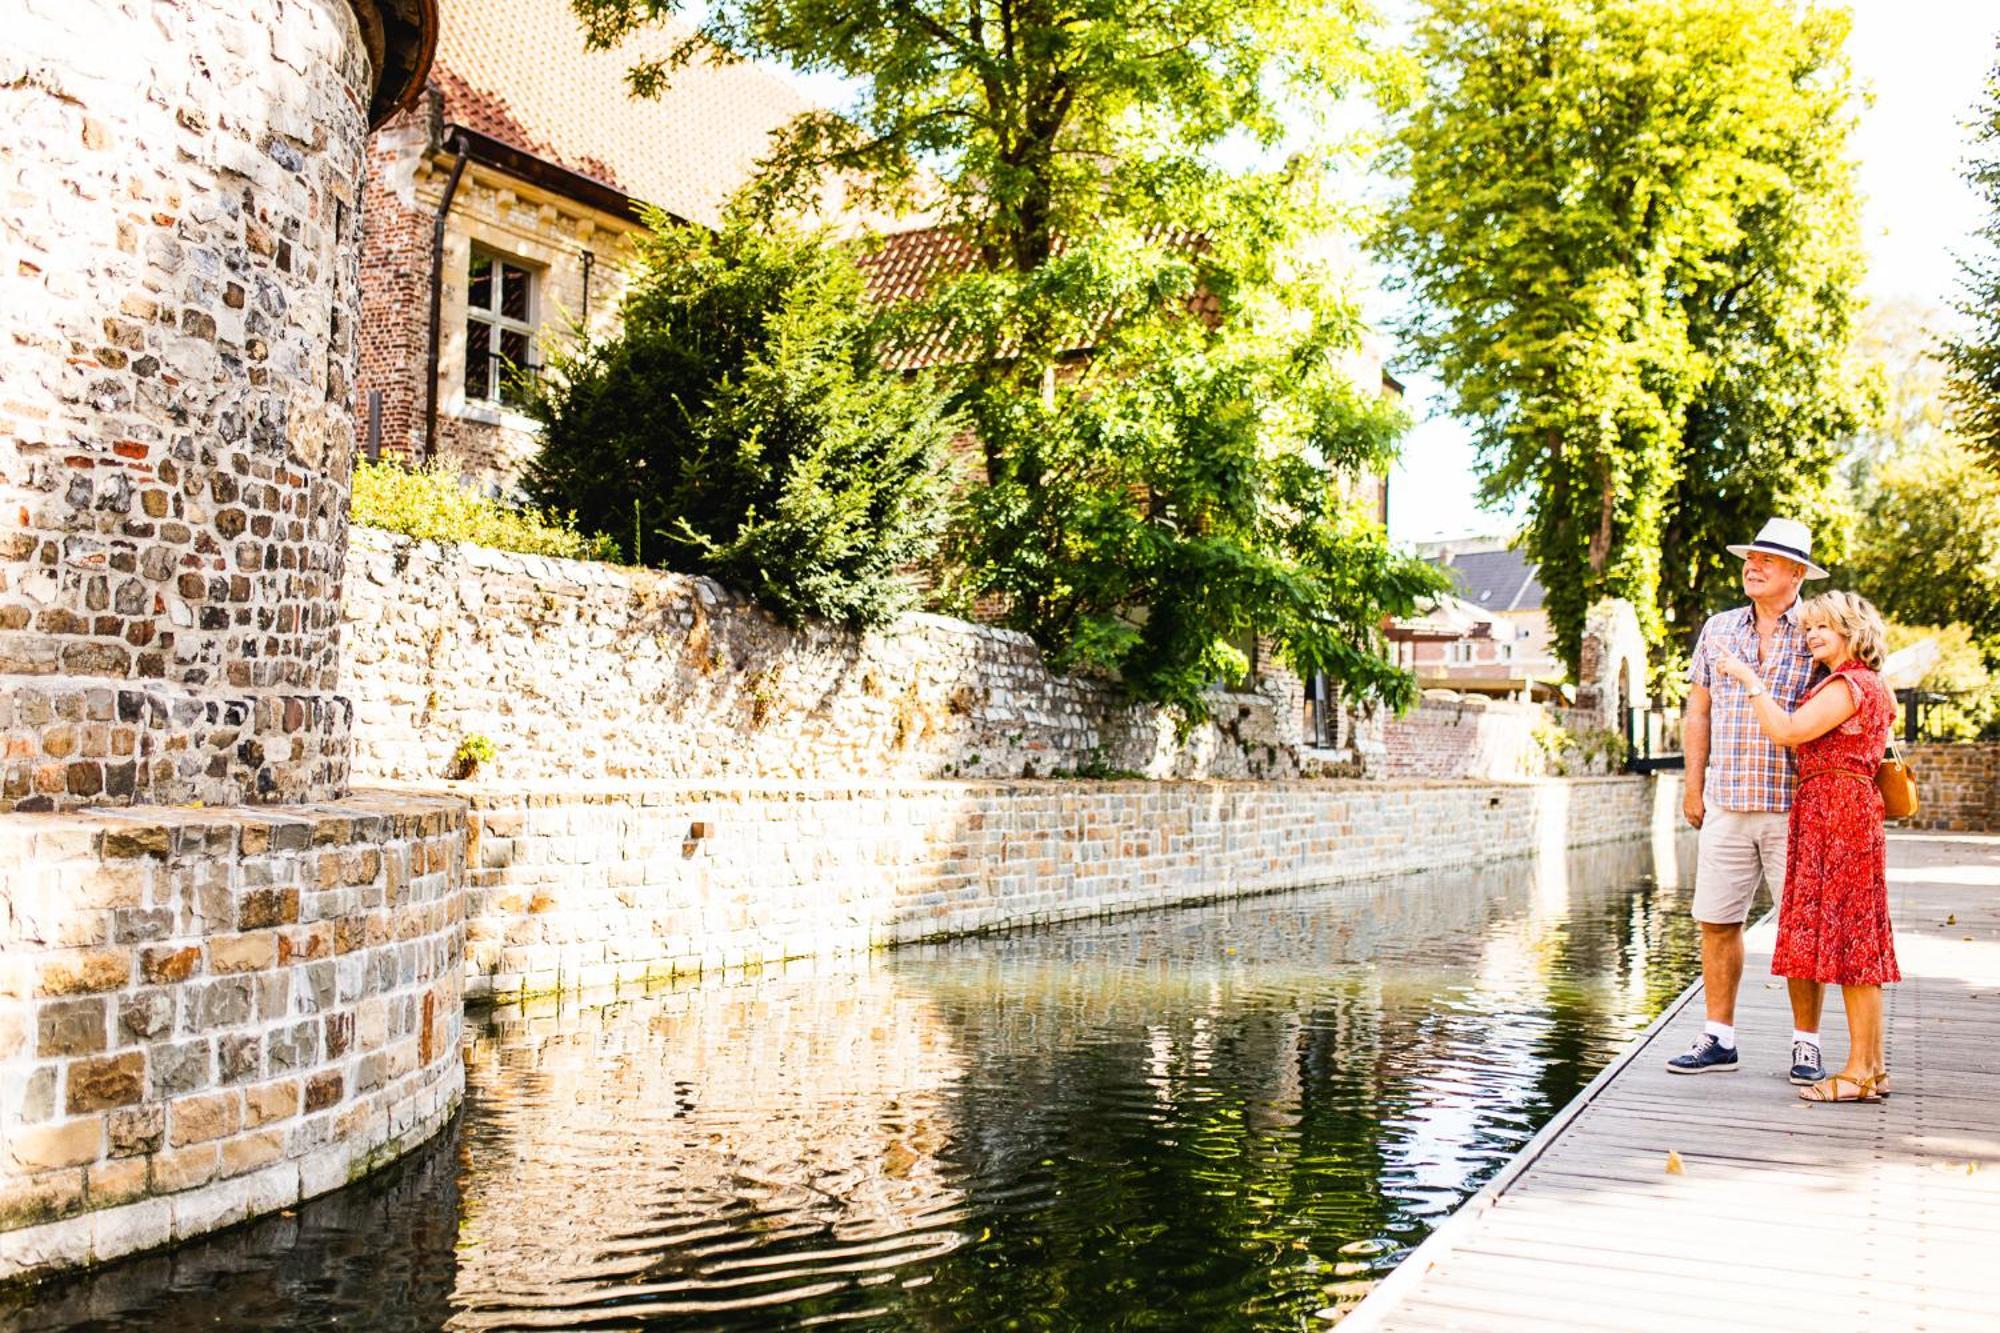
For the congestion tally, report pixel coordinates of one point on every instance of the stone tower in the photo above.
(179, 289)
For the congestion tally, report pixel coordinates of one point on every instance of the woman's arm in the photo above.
(1819, 714)
(1815, 717)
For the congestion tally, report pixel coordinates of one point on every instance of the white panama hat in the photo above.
(1786, 537)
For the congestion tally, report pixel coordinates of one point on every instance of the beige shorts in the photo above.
(1739, 849)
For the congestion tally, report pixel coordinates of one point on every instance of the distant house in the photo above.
(500, 213)
(1490, 635)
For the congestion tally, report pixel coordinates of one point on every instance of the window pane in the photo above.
(479, 286)
(478, 365)
(514, 348)
(514, 292)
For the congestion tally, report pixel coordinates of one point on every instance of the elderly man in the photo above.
(1739, 788)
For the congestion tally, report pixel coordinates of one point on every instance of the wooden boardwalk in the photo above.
(1787, 1215)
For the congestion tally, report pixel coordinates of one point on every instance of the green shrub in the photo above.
(741, 425)
(473, 751)
(432, 504)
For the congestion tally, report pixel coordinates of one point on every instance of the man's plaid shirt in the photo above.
(1745, 770)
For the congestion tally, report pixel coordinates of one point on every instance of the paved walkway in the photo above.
(1786, 1216)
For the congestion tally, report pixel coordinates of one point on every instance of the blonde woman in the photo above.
(1833, 925)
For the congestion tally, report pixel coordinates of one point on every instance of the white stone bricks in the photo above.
(820, 869)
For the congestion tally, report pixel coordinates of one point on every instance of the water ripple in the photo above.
(1236, 1117)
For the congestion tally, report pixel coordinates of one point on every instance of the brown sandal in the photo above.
(1828, 1089)
(1881, 1082)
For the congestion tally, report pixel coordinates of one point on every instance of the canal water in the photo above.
(1229, 1117)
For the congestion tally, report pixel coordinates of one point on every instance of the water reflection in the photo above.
(1237, 1116)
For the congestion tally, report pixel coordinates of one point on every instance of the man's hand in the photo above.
(1692, 805)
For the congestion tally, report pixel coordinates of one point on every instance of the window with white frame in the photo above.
(1461, 651)
(499, 329)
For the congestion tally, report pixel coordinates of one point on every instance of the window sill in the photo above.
(492, 414)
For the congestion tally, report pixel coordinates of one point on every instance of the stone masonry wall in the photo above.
(1958, 786)
(207, 1015)
(178, 263)
(580, 671)
(586, 887)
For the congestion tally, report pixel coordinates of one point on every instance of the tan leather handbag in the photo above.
(1897, 785)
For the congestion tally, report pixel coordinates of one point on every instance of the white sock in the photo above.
(1724, 1033)
(1800, 1034)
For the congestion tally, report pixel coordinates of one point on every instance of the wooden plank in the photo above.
(1860, 1217)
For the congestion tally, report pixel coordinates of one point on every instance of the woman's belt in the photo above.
(1804, 778)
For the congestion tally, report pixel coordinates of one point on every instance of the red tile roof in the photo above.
(517, 70)
(904, 266)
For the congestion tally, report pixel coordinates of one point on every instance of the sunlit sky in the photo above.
(1924, 62)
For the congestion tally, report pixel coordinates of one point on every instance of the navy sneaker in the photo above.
(1706, 1056)
(1806, 1068)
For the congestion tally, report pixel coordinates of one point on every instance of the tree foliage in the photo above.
(1159, 506)
(1974, 359)
(1928, 548)
(740, 425)
(1022, 121)
(1153, 358)
(1630, 229)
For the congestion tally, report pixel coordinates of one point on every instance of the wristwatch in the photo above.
(1752, 691)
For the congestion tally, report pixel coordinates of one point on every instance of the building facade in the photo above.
(501, 212)
(1491, 634)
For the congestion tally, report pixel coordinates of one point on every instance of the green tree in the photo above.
(1974, 359)
(1628, 226)
(1022, 121)
(1162, 488)
(1927, 550)
(740, 425)
(1179, 494)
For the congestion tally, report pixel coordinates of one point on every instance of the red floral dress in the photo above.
(1833, 922)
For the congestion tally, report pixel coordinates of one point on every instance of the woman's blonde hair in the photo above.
(1855, 619)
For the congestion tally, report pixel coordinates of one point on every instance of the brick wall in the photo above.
(582, 670)
(395, 282)
(1958, 786)
(583, 887)
(176, 428)
(1470, 738)
(207, 1015)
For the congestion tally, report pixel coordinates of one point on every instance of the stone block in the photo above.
(136, 1131)
(324, 1089)
(239, 1057)
(146, 1014)
(242, 953)
(114, 1183)
(71, 1027)
(168, 964)
(141, 1225)
(248, 1152)
(176, 1169)
(182, 1068)
(82, 971)
(103, 1082)
(203, 1118)
(267, 1102)
(263, 908)
(48, 1147)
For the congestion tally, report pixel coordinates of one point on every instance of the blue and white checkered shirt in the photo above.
(1745, 770)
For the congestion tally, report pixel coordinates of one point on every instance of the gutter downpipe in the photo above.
(457, 146)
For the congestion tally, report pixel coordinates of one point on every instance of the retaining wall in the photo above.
(578, 670)
(209, 1014)
(599, 885)
(1958, 786)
